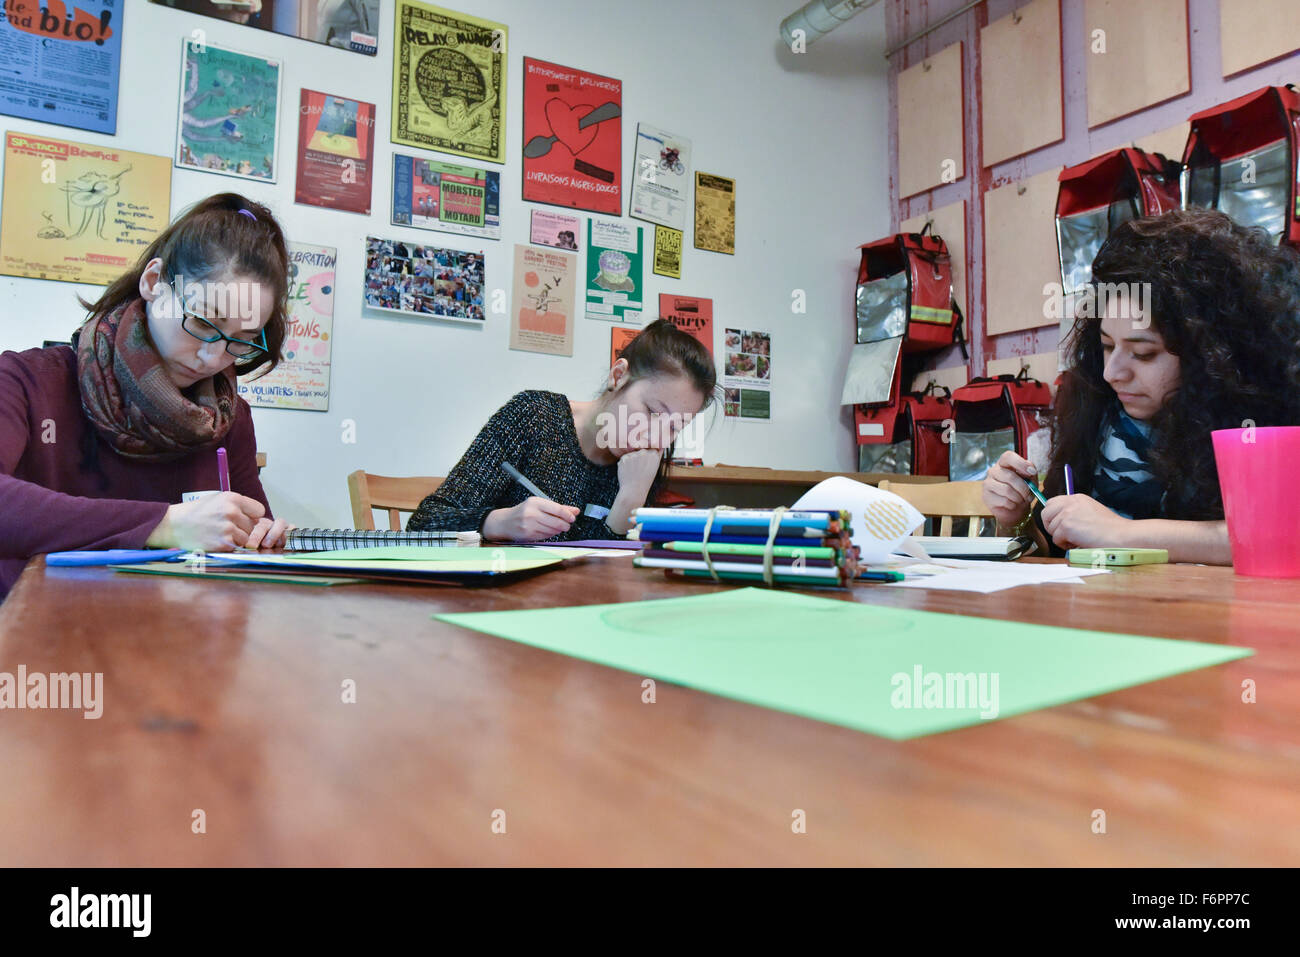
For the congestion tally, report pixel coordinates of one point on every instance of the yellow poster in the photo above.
(76, 212)
(449, 82)
(715, 213)
(668, 252)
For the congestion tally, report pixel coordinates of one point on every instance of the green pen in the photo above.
(880, 577)
(1033, 487)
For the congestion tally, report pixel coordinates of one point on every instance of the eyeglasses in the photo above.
(205, 331)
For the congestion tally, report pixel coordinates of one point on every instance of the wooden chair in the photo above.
(945, 501)
(369, 491)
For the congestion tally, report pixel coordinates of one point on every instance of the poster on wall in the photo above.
(423, 281)
(747, 375)
(661, 178)
(449, 82)
(446, 198)
(230, 107)
(554, 229)
(61, 69)
(543, 302)
(715, 213)
(619, 337)
(336, 152)
(668, 252)
(343, 24)
(614, 274)
(573, 138)
(76, 212)
(302, 379)
(690, 314)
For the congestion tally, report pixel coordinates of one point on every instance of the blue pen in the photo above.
(114, 556)
(1069, 480)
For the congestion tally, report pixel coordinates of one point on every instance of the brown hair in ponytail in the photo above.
(223, 233)
(661, 349)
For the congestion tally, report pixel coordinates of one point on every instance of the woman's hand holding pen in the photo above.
(218, 523)
(532, 520)
(1006, 491)
(1080, 521)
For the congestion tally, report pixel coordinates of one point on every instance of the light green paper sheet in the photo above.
(847, 663)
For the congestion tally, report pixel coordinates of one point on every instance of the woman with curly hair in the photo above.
(1197, 328)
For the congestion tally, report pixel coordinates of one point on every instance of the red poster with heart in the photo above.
(573, 138)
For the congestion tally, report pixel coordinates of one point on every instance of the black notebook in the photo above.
(329, 539)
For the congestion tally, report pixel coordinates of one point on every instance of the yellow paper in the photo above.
(76, 212)
(668, 252)
(715, 213)
(449, 82)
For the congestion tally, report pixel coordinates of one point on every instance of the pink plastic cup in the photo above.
(1257, 476)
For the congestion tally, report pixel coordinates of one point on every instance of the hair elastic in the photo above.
(249, 214)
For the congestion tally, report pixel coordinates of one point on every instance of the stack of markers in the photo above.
(773, 546)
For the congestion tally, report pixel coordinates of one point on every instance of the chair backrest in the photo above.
(945, 501)
(369, 491)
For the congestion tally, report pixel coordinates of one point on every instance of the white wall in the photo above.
(805, 136)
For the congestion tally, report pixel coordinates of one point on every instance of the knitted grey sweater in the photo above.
(534, 432)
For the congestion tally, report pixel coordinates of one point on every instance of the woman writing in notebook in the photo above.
(99, 441)
(1196, 328)
(595, 461)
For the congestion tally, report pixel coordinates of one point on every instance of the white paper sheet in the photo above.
(954, 574)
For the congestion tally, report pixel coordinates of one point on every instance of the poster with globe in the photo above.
(449, 82)
(302, 380)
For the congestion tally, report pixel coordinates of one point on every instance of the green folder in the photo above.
(233, 573)
(894, 672)
(412, 561)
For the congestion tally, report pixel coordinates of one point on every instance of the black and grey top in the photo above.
(534, 432)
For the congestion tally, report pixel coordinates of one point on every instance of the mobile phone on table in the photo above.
(1117, 556)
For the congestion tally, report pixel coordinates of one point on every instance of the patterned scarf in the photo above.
(133, 403)
(1122, 482)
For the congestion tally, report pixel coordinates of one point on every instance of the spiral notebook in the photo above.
(332, 539)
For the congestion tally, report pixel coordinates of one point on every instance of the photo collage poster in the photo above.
(747, 375)
(423, 281)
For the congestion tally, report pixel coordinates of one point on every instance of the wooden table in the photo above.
(226, 697)
(746, 487)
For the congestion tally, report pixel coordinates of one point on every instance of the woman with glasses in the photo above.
(100, 441)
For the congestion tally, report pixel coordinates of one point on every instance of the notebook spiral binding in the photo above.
(329, 539)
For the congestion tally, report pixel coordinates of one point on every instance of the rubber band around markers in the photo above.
(772, 529)
(704, 544)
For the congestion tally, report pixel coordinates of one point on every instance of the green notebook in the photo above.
(234, 573)
(893, 672)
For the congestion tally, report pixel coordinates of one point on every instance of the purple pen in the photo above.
(1069, 481)
(223, 469)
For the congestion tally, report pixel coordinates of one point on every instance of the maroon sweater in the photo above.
(50, 501)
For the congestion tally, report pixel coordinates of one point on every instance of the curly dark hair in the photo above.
(1226, 300)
